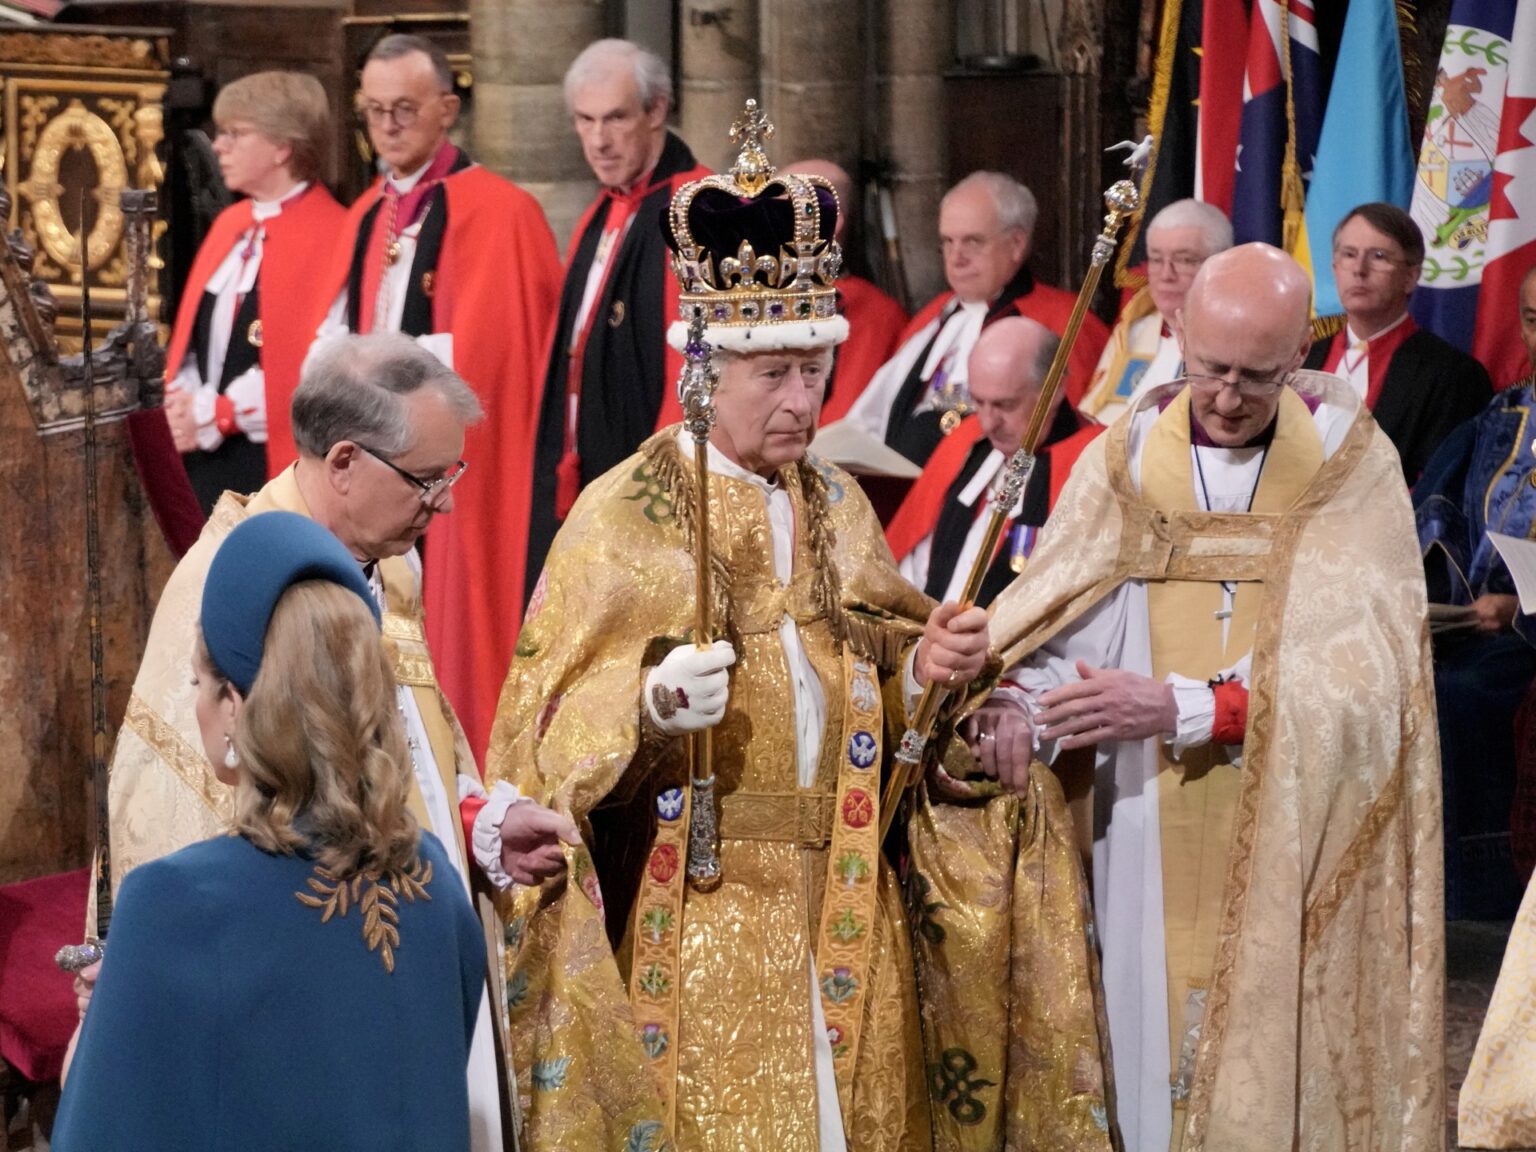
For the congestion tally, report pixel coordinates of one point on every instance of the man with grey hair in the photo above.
(986, 227)
(446, 251)
(610, 378)
(1143, 352)
(380, 425)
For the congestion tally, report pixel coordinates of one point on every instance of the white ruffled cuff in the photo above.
(485, 837)
(1196, 704)
(204, 411)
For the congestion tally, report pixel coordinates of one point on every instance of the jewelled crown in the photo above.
(755, 254)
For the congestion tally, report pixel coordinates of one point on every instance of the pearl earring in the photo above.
(231, 757)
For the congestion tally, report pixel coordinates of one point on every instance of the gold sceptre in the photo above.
(697, 391)
(1122, 200)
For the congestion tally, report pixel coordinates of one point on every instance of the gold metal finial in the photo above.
(752, 170)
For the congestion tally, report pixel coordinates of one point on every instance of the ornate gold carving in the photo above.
(377, 895)
(79, 51)
(73, 129)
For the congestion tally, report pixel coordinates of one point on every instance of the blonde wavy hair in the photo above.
(287, 108)
(323, 758)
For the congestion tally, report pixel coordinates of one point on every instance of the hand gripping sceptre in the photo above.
(1122, 200)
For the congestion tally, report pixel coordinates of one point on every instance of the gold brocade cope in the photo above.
(1497, 1106)
(1013, 1026)
(731, 1024)
(1197, 794)
(1308, 1038)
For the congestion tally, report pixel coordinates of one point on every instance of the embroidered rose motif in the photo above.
(663, 865)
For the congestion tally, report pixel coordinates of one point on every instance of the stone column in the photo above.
(813, 79)
(917, 42)
(521, 50)
(718, 56)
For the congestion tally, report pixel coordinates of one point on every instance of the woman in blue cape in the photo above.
(311, 981)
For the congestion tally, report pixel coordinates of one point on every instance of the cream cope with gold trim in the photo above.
(1320, 956)
(163, 792)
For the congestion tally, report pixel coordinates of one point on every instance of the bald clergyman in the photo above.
(940, 526)
(1228, 605)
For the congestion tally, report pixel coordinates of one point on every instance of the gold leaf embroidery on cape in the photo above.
(378, 895)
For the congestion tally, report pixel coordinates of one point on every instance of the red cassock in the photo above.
(875, 327)
(305, 226)
(1051, 307)
(495, 289)
(292, 301)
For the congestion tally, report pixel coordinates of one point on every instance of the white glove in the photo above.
(688, 690)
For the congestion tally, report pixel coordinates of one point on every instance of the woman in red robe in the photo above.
(247, 315)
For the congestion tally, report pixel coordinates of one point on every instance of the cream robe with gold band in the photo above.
(1271, 924)
(163, 792)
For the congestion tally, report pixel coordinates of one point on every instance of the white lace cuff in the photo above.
(1196, 704)
(486, 835)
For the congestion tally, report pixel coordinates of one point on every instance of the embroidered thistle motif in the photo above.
(653, 1038)
(549, 1075)
(378, 895)
(839, 984)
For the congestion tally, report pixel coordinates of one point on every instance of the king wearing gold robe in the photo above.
(780, 1008)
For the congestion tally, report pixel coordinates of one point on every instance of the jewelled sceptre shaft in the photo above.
(1122, 200)
(697, 392)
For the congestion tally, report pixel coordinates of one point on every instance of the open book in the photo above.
(851, 447)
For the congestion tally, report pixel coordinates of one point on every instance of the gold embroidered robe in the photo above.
(1323, 1024)
(735, 964)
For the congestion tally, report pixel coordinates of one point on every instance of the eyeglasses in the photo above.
(1247, 389)
(1376, 259)
(432, 492)
(403, 112)
(1183, 263)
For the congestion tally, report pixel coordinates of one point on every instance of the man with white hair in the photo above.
(610, 380)
(1143, 352)
(1228, 609)
(986, 227)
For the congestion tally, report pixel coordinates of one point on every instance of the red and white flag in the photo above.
(1511, 247)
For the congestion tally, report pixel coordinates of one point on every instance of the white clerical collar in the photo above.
(1353, 338)
(266, 209)
(403, 184)
(722, 465)
(990, 471)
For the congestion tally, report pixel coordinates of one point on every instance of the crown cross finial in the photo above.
(752, 170)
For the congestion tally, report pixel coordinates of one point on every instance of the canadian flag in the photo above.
(1511, 245)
